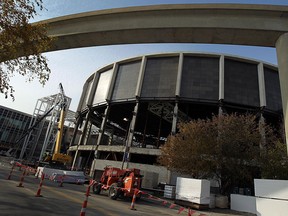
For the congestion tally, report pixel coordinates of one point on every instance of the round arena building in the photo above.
(128, 108)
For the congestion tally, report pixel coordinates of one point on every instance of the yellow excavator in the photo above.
(58, 157)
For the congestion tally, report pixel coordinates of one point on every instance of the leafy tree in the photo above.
(21, 43)
(274, 162)
(226, 147)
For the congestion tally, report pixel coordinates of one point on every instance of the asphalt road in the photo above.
(68, 200)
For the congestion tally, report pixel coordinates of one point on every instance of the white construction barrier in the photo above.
(243, 203)
(193, 190)
(268, 207)
(272, 197)
(77, 177)
(276, 189)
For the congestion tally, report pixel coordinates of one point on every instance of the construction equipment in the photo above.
(57, 157)
(119, 182)
(47, 114)
(57, 170)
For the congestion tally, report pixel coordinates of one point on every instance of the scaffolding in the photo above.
(42, 138)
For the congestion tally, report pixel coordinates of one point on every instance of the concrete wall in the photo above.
(152, 171)
(152, 174)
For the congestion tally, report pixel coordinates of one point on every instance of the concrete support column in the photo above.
(221, 85)
(141, 77)
(282, 57)
(82, 138)
(78, 163)
(221, 77)
(175, 117)
(87, 134)
(220, 108)
(132, 124)
(177, 93)
(262, 131)
(262, 97)
(261, 81)
(75, 159)
(126, 156)
(79, 120)
(179, 75)
(102, 129)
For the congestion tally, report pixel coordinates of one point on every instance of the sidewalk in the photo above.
(208, 212)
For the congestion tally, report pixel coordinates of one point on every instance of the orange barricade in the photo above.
(132, 206)
(9, 176)
(22, 179)
(84, 205)
(38, 194)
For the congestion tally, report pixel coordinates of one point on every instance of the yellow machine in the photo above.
(57, 156)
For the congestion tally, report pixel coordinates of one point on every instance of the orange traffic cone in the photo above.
(132, 206)
(84, 205)
(38, 194)
(22, 179)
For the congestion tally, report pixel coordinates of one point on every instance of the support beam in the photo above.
(175, 118)
(79, 121)
(82, 138)
(221, 85)
(261, 81)
(129, 140)
(246, 24)
(102, 130)
(282, 57)
(221, 77)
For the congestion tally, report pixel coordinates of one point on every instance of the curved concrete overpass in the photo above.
(256, 25)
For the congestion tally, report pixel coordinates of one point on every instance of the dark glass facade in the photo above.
(13, 124)
(126, 81)
(102, 87)
(160, 77)
(241, 83)
(272, 90)
(200, 78)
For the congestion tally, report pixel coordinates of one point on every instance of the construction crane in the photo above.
(57, 156)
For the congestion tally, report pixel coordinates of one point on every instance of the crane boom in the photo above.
(57, 156)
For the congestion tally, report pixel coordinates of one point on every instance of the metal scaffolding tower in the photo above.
(42, 138)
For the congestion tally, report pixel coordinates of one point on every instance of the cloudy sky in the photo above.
(72, 67)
